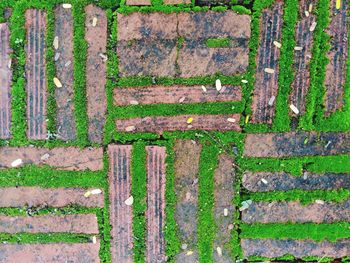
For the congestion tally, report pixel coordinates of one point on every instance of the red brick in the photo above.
(138, 2)
(304, 39)
(81, 224)
(55, 253)
(283, 212)
(36, 74)
(186, 165)
(64, 96)
(156, 177)
(179, 123)
(47, 197)
(224, 180)
(120, 213)
(266, 85)
(272, 248)
(96, 38)
(211, 24)
(280, 181)
(152, 26)
(175, 94)
(69, 158)
(5, 80)
(296, 144)
(337, 55)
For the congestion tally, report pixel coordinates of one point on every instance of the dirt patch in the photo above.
(36, 85)
(283, 212)
(96, 37)
(180, 123)
(272, 248)
(266, 84)
(5, 80)
(64, 96)
(337, 55)
(47, 197)
(224, 192)
(186, 163)
(266, 181)
(175, 94)
(138, 2)
(302, 58)
(84, 223)
(33, 253)
(69, 158)
(120, 213)
(296, 144)
(156, 179)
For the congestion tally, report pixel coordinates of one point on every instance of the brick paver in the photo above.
(296, 144)
(337, 55)
(64, 96)
(70, 158)
(81, 224)
(224, 179)
(180, 123)
(177, 2)
(186, 164)
(283, 212)
(47, 197)
(96, 37)
(5, 80)
(272, 248)
(147, 43)
(156, 177)
(175, 94)
(280, 181)
(302, 58)
(55, 253)
(266, 83)
(120, 212)
(36, 74)
(138, 2)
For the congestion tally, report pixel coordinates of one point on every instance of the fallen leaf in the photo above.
(67, 6)
(57, 56)
(271, 100)
(320, 202)
(16, 163)
(219, 250)
(338, 4)
(264, 181)
(94, 240)
(307, 14)
(9, 63)
(134, 102)
(313, 26)
(190, 252)
(204, 88)
(189, 120)
(96, 191)
(225, 212)
(55, 42)
(45, 157)
(294, 109)
(277, 44)
(182, 99)
(218, 85)
(310, 8)
(129, 201)
(94, 21)
(269, 70)
(244, 81)
(57, 82)
(247, 119)
(231, 120)
(298, 48)
(130, 128)
(87, 194)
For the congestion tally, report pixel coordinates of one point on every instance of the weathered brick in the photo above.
(55, 253)
(96, 37)
(82, 224)
(64, 96)
(138, 2)
(120, 213)
(175, 94)
(296, 144)
(211, 24)
(176, 2)
(280, 181)
(47, 197)
(36, 74)
(5, 80)
(145, 57)
(156, 178)
(70, 158)
(283, 212)
(337, 55)
(224, 179)
(186, 165)
(302, 58)
(266, 84)
(160, 124)
(272, 248)
(152, 26)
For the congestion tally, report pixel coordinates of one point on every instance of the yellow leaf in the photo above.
(338, 4)
(57, 82)
(189, 120)
(247, 119)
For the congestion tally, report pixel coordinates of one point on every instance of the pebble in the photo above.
(16, 163)
(225, 212)
(184, 246)
(129, 201)
(67, 6)
(218, 85)
(134, 102)
(277, 44)
(269, 70)
(231, 120)
(264, 181)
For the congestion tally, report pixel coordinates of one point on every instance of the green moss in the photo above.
(218, 42)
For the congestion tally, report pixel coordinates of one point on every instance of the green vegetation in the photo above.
(218, 42)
